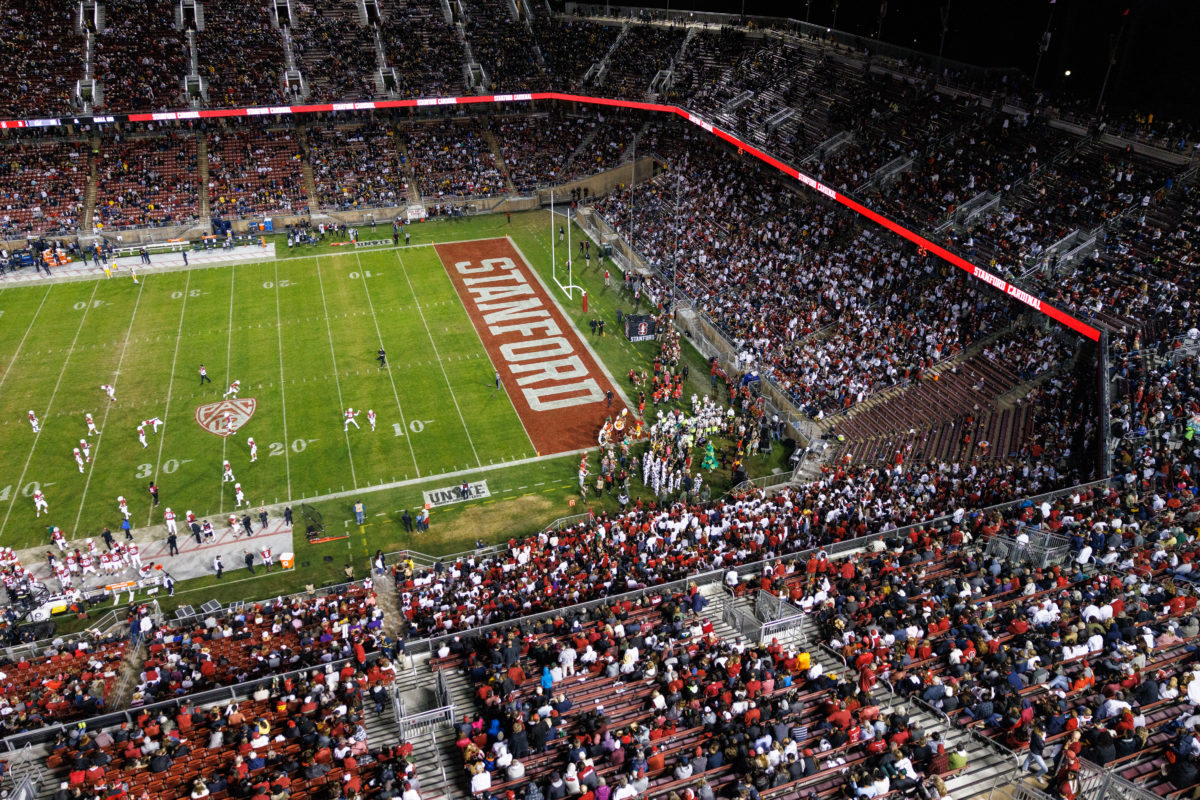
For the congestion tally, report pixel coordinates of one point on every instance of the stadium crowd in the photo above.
(423, 50)
(141, 58)
(146, 181)
(453, 158)
(254, 171)
(240, 54)
(41, 53)
(335, 53)
(356, 167)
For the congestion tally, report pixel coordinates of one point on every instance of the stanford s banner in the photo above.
(639, 327)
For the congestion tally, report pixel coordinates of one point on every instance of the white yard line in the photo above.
(336, 380)
(170, 390)
(17, 352)
(282, 393)
(107, 407)
(447, 476)
(378, 333)
(20, 481)
(228, 376)
(438, 357)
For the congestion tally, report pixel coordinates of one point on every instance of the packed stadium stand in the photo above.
(356, 167)
(254, 171)
(141, 56)
(335, 51)
(41, 55)
(146, 182)
(453, 159)
(988, 571)
(240, 53)
(500, 43)
(423, 49)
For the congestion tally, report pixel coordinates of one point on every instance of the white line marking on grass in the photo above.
(17, 352)
(429, 479)
(282, 395)
(336, 381)
(170, 385)
(391, 377)
(49, 405)
(438, 356)
(108, 407)
(228, 376)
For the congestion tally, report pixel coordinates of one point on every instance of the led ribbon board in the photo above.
(980, 273)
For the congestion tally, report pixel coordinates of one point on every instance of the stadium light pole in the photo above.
(678, 228)
(945, 27)
(1114, 47)
(1043, 45)
(632, 176)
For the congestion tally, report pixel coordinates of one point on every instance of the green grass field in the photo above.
(301, 333)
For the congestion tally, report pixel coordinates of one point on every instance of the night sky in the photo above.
(1154, 72)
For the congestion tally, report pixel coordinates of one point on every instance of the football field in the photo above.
(300, 333)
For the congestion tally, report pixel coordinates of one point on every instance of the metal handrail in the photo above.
(433, 643)
(235, 692)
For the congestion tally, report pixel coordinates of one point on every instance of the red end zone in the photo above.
(556, 386)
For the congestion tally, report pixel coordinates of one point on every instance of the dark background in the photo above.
(1159, 41)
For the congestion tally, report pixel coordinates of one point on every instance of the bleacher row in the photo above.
(1111, 704)
(151, 179)
(914, 645)
(318, 672)
(1113, 557)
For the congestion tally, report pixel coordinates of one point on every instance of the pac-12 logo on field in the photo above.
(211, 416)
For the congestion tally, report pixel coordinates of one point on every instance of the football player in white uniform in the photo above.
(240, 496)
(350, 419)
(79, 459)
(233, 389)
(39, 503)
(371, 417)
(253, 450)
(87, 449)
(155, 422)
(91, 423)
(33, 420)
(227, 473)
(142, 436)
(109, 390)
(169, 518)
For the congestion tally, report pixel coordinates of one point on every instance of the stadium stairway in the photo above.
(89, 197)
(582, 148)
(389, 601)
(987, 765)
(310, 184)
(202, 206)
(498, 152)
